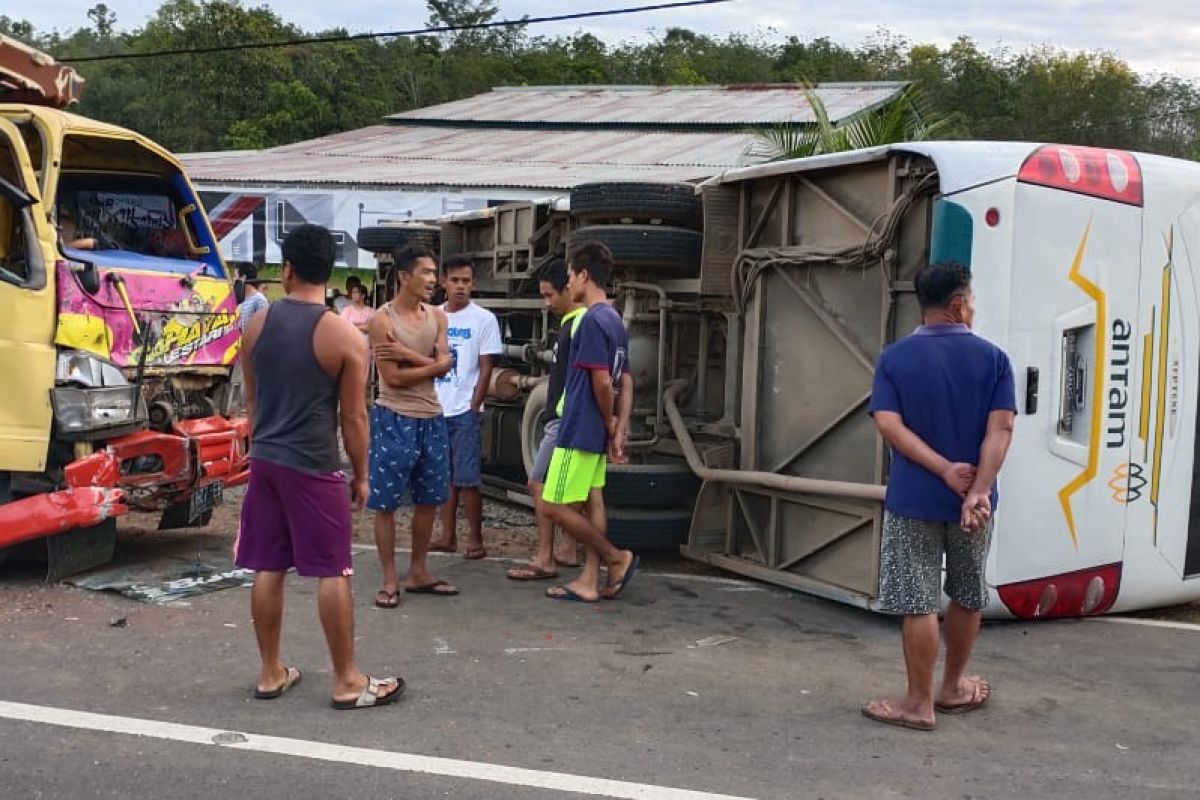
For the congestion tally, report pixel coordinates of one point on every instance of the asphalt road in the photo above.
(501, 677)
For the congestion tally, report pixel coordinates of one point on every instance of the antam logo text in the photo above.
(1127, 483)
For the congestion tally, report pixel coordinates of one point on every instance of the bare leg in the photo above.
(572, 521)
(920, 656)
(448, 541)
(335, 604)
(588, 582)
(385, 543)
(473, 500)
(266, 611)
(422, 530)
(962, 629)
(545, 526)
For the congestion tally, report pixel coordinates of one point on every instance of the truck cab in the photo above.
(118, 329)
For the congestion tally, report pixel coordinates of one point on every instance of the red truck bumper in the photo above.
(146, 470)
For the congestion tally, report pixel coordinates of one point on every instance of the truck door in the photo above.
(1075, 348)
(27, 355)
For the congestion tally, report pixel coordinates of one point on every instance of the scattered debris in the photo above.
(713, 641)
(441, 647)
(692, 694)
(123, 622)
(230, 624)
(168, 579)
(1121, 746)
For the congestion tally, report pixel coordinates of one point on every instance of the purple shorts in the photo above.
(295, 519)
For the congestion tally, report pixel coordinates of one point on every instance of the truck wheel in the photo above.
(533, 420)
(674, 203)
(662, 486)
(386, 238)
(647, 531)
(667, 252)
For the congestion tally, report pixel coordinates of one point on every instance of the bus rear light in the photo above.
(1094, 171)
(1075, 594)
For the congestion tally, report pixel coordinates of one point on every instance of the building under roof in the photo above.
(508, 144)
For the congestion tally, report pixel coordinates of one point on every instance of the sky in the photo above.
(1154, 36)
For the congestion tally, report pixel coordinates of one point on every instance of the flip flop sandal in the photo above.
(386, 599)
(290, 679)
(971, 705)
(567, 593)
(615, 589)
(443, 549)
(433, 588)
(371, 697)
(475, 553)
(529, 572)
(566, 564)
(911, 724)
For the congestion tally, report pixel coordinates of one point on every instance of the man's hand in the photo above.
(976, 510)
(617, 435)
(359, 489)
(959, 477)
(443, 361)
(392, 350)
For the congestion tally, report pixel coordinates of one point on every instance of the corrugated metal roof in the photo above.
(401, 155)
(707, 107)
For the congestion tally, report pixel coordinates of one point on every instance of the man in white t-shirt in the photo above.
(474, 337)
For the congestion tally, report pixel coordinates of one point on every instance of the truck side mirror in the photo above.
(89, 276)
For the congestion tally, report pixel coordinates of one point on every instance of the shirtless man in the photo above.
(301, 366)
(410, 447)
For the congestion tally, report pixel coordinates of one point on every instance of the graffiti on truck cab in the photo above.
(182, 336)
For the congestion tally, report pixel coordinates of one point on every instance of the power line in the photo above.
(613, 12)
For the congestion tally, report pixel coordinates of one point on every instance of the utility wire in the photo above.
(613, 12)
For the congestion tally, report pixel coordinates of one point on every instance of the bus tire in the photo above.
(386, 238)
(533, 420)
(666, 252)
(672, 203)
(645, 531)
(669, 485)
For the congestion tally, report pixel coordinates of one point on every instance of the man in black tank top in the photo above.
(300, 364)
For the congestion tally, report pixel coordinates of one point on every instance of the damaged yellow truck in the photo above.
(118, 329)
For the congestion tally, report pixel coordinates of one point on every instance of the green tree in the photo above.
(904, 119)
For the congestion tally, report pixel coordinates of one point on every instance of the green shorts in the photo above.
(572, 476)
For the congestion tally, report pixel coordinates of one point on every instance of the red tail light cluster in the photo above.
(1075, 594)
(1094, 171)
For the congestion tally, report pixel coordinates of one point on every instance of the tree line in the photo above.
(255, 98)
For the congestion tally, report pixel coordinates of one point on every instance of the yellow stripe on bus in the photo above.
(1161, 410)
(1147, 385)
(1089, 473)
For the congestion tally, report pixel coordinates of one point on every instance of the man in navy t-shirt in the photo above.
(597, 401)
(944, 401)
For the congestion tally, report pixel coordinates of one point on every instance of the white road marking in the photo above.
(509, 651)
(1149, 623)
(344, 754)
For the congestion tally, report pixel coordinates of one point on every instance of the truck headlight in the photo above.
(93, 395)
(79, 410)
(85, 369)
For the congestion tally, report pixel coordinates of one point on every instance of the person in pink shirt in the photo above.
(358, 313)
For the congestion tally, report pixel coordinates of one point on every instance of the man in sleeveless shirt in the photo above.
(595, 418)
(552, 285)
(410, 450)
(300, 362)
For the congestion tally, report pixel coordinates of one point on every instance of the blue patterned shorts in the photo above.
(407, 454)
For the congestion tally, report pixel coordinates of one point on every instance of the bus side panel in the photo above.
(1073, 318)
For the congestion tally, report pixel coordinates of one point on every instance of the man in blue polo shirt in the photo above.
(944, 401)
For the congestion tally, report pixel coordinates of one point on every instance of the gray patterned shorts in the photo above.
(910, 565)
